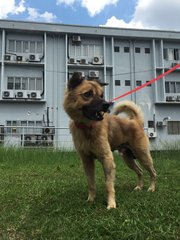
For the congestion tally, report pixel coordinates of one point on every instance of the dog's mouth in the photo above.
(96, 116)
(94, 113)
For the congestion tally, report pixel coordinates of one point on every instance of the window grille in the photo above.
(173, 127)
(25, 83)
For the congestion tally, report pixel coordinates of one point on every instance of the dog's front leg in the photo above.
(109, 171)
(89, 169)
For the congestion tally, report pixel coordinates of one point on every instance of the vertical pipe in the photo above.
(2, 66)
(112, 63)
(45, 65)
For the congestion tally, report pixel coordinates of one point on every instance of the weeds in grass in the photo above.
(42, 196)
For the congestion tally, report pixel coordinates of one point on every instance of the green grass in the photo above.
(43, 196)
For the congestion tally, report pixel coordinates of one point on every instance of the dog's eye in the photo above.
(88, 94)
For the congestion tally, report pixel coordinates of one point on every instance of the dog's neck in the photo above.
(84, 126)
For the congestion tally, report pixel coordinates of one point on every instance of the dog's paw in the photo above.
(91, 198)
(111, 206)
(138, 188)
(151, 189)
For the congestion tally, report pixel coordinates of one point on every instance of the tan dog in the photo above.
(96, 134)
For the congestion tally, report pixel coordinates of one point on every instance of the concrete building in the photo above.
(37, 59)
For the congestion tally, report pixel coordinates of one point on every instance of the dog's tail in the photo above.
(131, 109)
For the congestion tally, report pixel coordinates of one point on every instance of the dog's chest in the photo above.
(83, 140)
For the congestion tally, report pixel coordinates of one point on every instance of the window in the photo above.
(178, 87)
(32, 83)
(39, 47)
(25, 47)
(32, 47)
(117, 82)
(39, 84)
(137, 50)
(84, 50)
(25, 83)
(171, 54)
(116, 49)
(17, 83)
(173, 127)
(127, 83)
(165, 53)
(172, 87)
(126, 49)
(138, 83)
(147, 50)
(150, 124)
(10, 83)
(24, 127)
(18, 46)
(22, 46)
(11, 46)
(11, 126)
(176, 54)
(149, 84)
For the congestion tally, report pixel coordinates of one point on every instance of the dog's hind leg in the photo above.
(131, 163)
(89, 169)
(146, 161)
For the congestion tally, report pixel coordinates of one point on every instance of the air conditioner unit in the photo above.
(170, 99)
(47, 140)
(152, 133)
(72, 61)
(19, 58)
(159, 124)
(76, 39)
(34, 95)
(8, 94)
(21, 94)
(94, 74)
(9, 57)
(173, 64)
(34, 58)
(27, 138)
(84, 61)
(30, 139)
(97, 60)
(49, 130)
(178, 98)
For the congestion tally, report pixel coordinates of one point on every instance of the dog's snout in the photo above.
(105, 105)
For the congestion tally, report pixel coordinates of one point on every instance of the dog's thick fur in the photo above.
(97, 138)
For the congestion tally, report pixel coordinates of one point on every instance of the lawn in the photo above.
(43, 196)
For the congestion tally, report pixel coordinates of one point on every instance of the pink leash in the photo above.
(146, 84)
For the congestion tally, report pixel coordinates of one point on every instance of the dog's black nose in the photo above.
(105, 106)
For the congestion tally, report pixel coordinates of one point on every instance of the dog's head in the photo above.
(84, 99)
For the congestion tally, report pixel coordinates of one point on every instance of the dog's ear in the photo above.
(102, 84)
(75, 80)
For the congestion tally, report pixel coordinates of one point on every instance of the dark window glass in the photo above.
(127, 83)
(116, 49)
(138, 83)
(117, 83)
(137, 50)
(147, 50)
(150, 124)
(149, 84)
(173, 127)
(126, 49)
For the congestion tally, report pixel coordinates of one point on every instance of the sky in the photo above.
(141, 14)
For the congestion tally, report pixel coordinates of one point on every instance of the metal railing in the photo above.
(35, 137)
